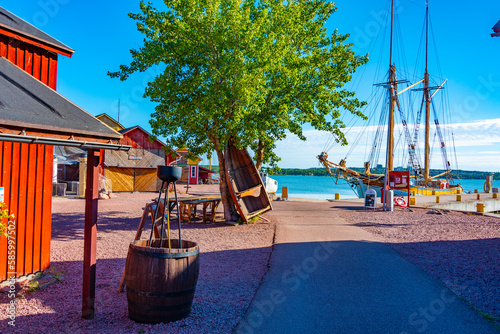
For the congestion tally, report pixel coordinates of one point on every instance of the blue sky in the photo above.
(101, 34)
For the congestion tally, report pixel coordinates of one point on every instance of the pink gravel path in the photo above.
(233, 261)
(462, 250)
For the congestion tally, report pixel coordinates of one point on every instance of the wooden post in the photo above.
(90, 234)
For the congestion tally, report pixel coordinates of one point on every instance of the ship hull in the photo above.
(359, 187)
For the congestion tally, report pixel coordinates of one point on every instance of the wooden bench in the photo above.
(209, 216)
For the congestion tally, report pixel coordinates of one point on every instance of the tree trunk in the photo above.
(230, 212)
(259, 155)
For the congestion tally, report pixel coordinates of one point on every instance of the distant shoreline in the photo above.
(460, 174)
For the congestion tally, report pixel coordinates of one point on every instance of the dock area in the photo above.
(467, 202)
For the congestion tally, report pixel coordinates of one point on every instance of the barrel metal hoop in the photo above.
(161, 308)
(164, 255)
(162, 294)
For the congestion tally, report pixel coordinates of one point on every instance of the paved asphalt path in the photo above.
(327, 276)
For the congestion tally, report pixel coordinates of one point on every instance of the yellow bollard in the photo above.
(337, 196)
(475, 191)
(413, 193)
(495, 195)
(284, 193)
(459, 198)
(478, 196)
(480, 207)
(413, 201)
(459, 191)
(437, 199)
(434, 192)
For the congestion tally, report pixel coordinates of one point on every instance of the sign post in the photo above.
(400, 180)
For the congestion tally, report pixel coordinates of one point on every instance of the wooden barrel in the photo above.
(161, 282)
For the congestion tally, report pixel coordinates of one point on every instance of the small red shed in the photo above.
(36, 53)
(34, 118)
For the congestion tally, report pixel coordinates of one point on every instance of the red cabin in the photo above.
(33, 119)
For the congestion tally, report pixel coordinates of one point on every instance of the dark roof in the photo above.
(124, 131)
(496, 27)
(14, 23)
(26, 102)
(135, 158)
(206, 170)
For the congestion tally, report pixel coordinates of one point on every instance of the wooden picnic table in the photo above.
(213, 203)
(188, 204)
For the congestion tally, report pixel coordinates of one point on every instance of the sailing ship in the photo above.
(421, 180)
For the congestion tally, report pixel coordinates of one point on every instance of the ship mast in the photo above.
(427, 100)
(392, 100)
(392, 97)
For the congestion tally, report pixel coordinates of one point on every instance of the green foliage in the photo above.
(33, 286)
(246, 70)
(4, 214)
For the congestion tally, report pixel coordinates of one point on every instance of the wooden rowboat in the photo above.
(245, 185)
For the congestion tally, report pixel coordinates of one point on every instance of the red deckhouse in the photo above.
(34, 118)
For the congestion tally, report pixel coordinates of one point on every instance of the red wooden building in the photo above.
(34, 118)
(135, 170)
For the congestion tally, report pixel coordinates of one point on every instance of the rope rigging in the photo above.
(403, 141)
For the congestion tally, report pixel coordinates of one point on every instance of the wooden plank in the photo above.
(37, 223)
(47, 206)
(20, 57)
(53, 71)
(45, 69)
(30, 208)
(37, 64)
(5, 182)
(13, 194)
(254, 191)
(11, 52)
(21, 212)
(28, 59)
(3, 46)
(90, 235)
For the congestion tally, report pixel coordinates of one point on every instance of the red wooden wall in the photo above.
(26, 172)
(27, 179)
(36, 61)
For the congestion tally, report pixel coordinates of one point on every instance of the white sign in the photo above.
(1, 194)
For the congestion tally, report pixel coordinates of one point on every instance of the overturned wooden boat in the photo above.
(245, 183)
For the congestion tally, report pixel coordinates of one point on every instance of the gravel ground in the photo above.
(462, 250)
(233, 261)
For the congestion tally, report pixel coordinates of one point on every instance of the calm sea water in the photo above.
(324, 187)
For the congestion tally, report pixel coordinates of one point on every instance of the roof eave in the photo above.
(30, 39)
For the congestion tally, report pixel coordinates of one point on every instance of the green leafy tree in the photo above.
(244, 71)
